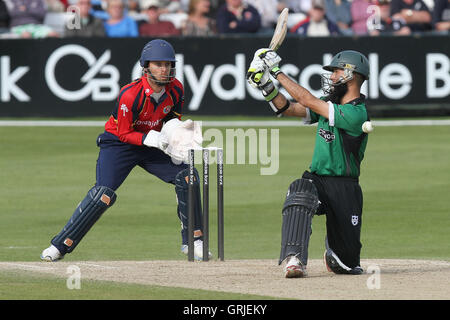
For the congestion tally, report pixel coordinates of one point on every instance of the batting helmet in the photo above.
(350, 60)
(157, 50)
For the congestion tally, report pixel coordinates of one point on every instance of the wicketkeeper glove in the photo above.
(161, 139)
(154, 139)
(185, 137)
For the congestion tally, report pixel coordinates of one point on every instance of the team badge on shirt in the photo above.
(124, 108)
(166, 110)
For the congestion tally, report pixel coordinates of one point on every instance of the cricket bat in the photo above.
(280, 30)
(278, 35)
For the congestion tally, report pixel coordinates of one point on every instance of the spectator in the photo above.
(4, 18)
(237, 17)
(198, 23)
(387, 25)
(316, 24)
(56, 5)
(27, 18)
(414, 12)
(133, 7)
(154, 26)
(360, 16)
(169, 6)
(268, 11)
(214, 8)
(184, 5)
(90, 26)
(99, 9)
(119, 24)
(296, 6)
(135, 10)
(338, 12)
(441, 15)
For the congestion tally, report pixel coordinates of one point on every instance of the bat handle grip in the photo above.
(258, 77)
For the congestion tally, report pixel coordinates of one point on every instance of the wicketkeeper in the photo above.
(144, 129)
(331, 185)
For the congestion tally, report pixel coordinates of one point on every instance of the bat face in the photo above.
(280, 30)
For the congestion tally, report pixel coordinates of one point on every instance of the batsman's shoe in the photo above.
(198, 250)
(335, 265)
(51, 254)
(294, 268)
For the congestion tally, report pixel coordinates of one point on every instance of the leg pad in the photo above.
(181, 189)
(96, 202)
(299, 207)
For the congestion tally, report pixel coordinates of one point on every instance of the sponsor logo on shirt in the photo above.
(147, 123)
(328, 136)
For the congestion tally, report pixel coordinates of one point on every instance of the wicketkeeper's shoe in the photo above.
(294, 268)
(198, 250)
(51, 254)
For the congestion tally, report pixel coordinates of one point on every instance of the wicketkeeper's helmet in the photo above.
(158, 50)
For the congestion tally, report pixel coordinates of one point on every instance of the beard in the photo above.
(337, 93)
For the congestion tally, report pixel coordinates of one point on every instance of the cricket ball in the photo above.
(367, 127)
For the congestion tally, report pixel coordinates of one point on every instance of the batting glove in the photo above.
(264, 84)
(256, 74)
(271, 60)
(258, 77)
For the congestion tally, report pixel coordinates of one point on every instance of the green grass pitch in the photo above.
(46, 171)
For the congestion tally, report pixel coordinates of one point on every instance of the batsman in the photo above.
(331, 185)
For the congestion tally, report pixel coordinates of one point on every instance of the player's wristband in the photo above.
(275, 72)
(269, 91)
(278, 112)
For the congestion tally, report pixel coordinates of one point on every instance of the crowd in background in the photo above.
(163, 18)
